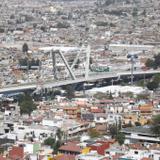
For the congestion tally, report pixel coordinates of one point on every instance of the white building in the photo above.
(93, 155)
(36, 132)
(139, 154)
(139, 134)
(52, 122)
(129, 48)
(107, 118)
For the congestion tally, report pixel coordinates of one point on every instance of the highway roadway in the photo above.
(51, 84)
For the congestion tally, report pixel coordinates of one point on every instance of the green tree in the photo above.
(135, 12)
(152, 85)
(157, 60)
(57, 92)
(129, 94)
(100, 95)
(63, 25)
(52, 143)
(120, 137)
(110, 95)
(113, 129)
(137, 123)
(43, 28)
(115, 133)
(2, 150)
(2, 30)
(156, 125)
(56, 146)
(23, 62)
(93, 133)
(153, 63)
(141, 83)
(119, 125)
(59, 141)
(26, 104)
(12, 16)
(49, 141)
(25, 48)
(149, 63)
(59, 134)
(101, 23)
(156, 78)
(91, 60)
(142, 96)
(109, 2)
(70, 91)
(144, 13)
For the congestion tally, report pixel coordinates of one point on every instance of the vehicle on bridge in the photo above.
(100, 68)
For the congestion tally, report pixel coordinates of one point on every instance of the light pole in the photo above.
(112, 81)
(132, 58)
(144, 82)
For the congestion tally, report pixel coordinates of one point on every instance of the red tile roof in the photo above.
(98, 110)
(71, 146)
(106, 101)
(146, 107)
(16, 153)
(146, 158)
(65, 157)
(2, 158)
(100, 147)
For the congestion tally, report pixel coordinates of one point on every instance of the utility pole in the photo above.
(112, 81)
(54, 64)
(132, 69)
(87, 62)
(132, 58)
(84, 88)
(144, 80)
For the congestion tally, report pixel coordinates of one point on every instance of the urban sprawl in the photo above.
(79, 80)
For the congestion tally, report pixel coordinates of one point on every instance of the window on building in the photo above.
(21, 128)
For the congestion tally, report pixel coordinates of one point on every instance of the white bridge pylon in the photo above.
(79, 55)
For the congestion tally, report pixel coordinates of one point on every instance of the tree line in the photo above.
(29, 63)
(153, 63)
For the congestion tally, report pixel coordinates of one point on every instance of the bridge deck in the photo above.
(50, 84)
